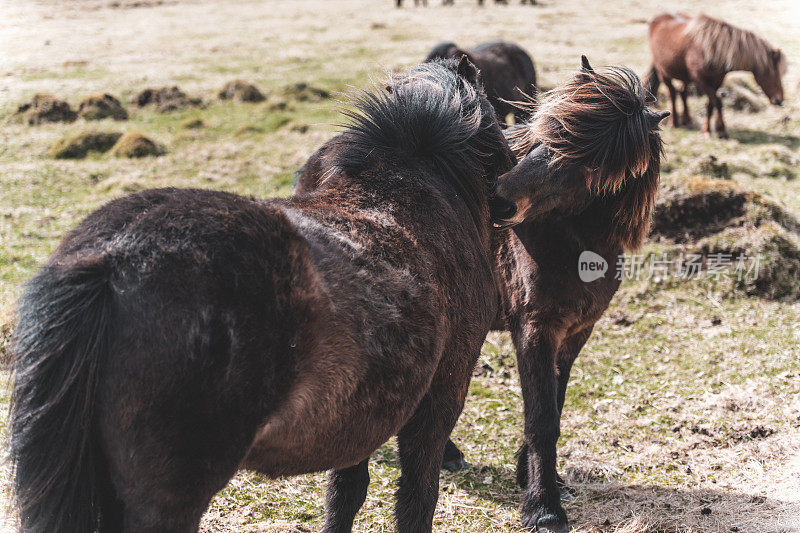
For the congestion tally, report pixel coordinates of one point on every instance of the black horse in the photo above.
(507, 73)
(176, 336)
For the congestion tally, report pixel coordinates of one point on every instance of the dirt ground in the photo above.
(683, 411)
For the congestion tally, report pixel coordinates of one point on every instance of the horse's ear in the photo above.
(585, 66)
(467, 70)
(657, 117)
(775, 55)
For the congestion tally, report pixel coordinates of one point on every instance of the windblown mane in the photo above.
(429, 116)
(599, 121)
(727, 47)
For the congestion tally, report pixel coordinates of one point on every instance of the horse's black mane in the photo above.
(442, 50)
(429, 114)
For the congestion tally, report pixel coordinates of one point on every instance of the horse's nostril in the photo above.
(777, 101)
(502, 209)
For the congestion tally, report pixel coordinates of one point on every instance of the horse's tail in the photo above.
(62, 335)
(652, 81)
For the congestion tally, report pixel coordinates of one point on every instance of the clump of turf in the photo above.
(696, 208)
(711, 166)
(738, 94)
(102, 105)
(46, 108)
(248, 130)
(78, 145)
(5, 344)
(166, 99)
(770, 253)
(241, 91)
(136, 144)
(303, 92)
(192, 124)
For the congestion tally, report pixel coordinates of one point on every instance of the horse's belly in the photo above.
(317, 430)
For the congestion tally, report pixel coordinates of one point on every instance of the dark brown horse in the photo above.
(507, 73)
(586, 180)
(176, 336)
(701, 51)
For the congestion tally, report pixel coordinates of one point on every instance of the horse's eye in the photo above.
(650, 99)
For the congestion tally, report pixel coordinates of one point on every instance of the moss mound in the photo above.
(303, 92)
(102, 105)
(165, 99)
(771, 254)
(46, 108)
(740, 96)
(136, 144)
(697, 208)
(78, 146)
(5, 344)
(192, 124)
(241, 91)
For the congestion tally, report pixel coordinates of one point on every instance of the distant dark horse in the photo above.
(701, 51)
(507, 73)
(586, 181)
(176, 336)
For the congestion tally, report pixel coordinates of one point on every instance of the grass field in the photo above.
(683, 411)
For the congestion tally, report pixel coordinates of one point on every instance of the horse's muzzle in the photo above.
(501, 209)
(777, 101)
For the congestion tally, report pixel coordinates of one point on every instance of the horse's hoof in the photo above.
(722, 135)
(552, 524)
(567, 493)
(539, 517)
(456, 465)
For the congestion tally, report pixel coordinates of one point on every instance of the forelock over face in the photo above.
(599, 120)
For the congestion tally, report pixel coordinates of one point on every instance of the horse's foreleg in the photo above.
(707, 121)
(673, 117)
(453, 460)
(722, 133)
(347, 490)
(536, 359)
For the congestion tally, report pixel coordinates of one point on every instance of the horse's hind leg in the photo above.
(347, 490)
(421, 444)
(673, 118)
(687, 118)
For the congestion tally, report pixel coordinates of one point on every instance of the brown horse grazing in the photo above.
(507, 73)
(176, 336)
(701, 51)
